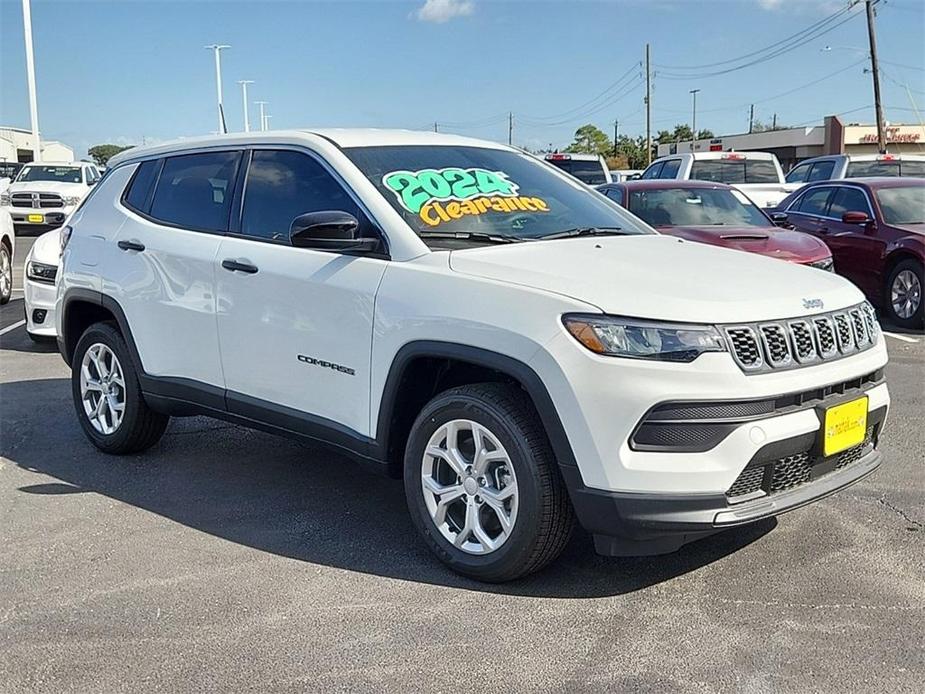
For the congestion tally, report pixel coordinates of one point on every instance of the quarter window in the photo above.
(815, 201)
(848, 199)
(195, 190)
(136, 196)
(281, 185)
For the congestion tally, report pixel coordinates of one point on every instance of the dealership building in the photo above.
(16, 145)
(792, 145)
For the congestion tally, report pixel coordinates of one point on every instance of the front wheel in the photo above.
(6, 274)
(110, 406)
(482, 484)
(903, 304)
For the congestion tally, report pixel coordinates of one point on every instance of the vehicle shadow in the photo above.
(294, 500)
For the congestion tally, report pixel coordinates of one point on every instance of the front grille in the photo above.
(768, 346)
(43, 201)
(771, 477)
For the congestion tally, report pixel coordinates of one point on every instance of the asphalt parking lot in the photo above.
(229, 560)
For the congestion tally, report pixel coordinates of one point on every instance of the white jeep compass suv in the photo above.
(516, 347)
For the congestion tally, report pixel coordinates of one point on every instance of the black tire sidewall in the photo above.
(916, 321)
(106, 334)
(516, 550)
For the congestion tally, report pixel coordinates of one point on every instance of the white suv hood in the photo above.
(662, 277)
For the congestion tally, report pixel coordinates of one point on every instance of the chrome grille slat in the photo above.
(763, 347)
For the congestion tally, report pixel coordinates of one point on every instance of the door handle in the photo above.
(131, 246)
(235, 266)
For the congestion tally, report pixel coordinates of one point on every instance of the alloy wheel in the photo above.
(469, 486)
(102, 388)
(6, 274)
(906, 294)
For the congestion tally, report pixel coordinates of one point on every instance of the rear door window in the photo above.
(194, 191)
(848, 199)
(798, 173)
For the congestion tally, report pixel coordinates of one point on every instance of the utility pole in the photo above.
(648, 108)
(247, 122)
(616, 134)
(217, 50)
(263, 118)
(694, 114)
(875, 70)
(266, 119)
(774, 122)
(30, 77)
(435, 126)
(510, 128)
(751, 118)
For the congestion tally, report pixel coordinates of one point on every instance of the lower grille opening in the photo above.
(771, 477)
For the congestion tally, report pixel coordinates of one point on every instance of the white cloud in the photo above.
(440, 11)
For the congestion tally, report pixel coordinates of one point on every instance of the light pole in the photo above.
(263, 118)
(217, 49)
(244, 83)
(267, 119)
(694, 114)
(30, 77)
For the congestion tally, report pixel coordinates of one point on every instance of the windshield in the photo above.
(590, 172)
(61, 174)
(902, 205)
(696, 207)
(9, 169)
(894, 167)
(735, 171)
(443, 189)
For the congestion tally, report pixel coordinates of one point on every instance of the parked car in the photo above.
(621, 175)
(7, 246)
(838, 166)
(39, 271)
(45, 193)
(716, 214)
(757, 174)
(460, 314)
(876, 230)
(8, 171)
(587, 168)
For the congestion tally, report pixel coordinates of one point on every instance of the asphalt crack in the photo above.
(902, 514)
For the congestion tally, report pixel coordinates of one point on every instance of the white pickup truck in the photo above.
(757, 174)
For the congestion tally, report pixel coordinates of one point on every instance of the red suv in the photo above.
(876, 230)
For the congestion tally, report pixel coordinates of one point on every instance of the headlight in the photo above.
(71, 200)
(638, 339)
(40, 272)
(827, 264)
(5, 200)
(65, 236)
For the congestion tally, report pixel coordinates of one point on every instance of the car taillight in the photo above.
(733, 155)
(557, 157)
(65, 237)
(886, 157)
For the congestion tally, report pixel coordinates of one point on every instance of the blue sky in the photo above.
(123, 71)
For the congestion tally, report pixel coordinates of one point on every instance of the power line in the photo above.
(612, 87)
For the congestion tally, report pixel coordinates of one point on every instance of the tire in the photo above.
(139, 427)
(539, 513)
(6, 274)
(907, 280)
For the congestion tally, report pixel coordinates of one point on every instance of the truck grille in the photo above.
(763, 347)
(37, 200)
(794, 470)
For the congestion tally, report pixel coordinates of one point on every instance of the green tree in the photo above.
(705, 135)
(590, 139)
(631, 152)
(759, 126)
(103, 153)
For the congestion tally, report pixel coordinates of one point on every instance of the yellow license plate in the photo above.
(845, 426)
(36, 218)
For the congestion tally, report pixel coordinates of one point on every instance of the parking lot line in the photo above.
(904, 338)
(11, 328)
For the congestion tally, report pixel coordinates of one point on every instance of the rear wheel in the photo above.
(482, 483)
(903, 300)
(110, 406)
(6, 274)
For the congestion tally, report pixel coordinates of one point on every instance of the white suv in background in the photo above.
(45, 193)
(838, 166)
(457, 313)
(7, 246)
(757, 174)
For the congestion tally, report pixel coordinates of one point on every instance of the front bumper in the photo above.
(24, 218)
(39, 302)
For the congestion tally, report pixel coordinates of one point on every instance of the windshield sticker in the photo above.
(444, 195)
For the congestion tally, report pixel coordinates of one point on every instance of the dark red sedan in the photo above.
(716, 214)
(876, 230)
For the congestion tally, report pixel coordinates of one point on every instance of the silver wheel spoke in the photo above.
(102, 392)
(469, 527)
(495, 501)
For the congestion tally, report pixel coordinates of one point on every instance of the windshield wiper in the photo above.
(471, 236)
(585, 231)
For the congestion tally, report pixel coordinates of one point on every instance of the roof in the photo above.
(904, 156)
(873, 182)
(666, 184)
(342, 137)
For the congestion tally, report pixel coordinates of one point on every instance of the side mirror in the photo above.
(779, 218)
(329, 230)
(855, 218)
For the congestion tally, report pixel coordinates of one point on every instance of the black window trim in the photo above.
(237, 202)
(828, 205)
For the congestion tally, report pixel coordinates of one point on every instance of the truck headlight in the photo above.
(70, 200)
(41, 272)
(639, 339)
(5, 200)
(827, 264)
